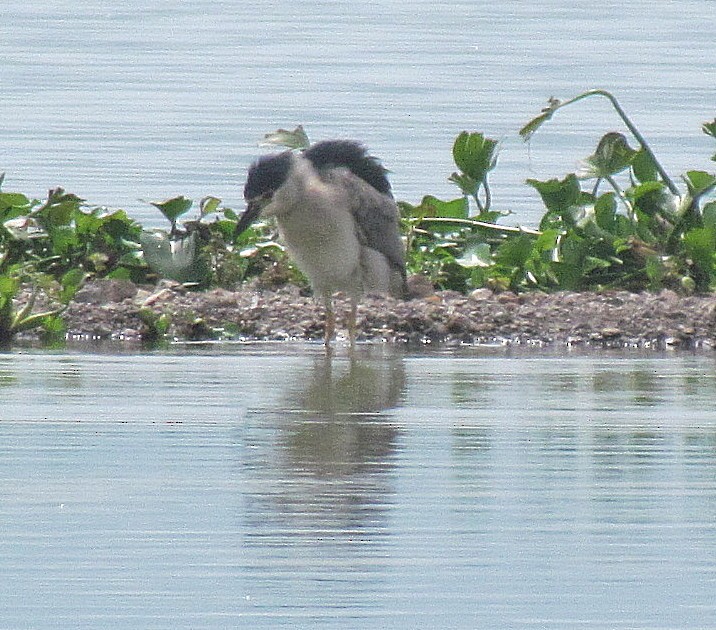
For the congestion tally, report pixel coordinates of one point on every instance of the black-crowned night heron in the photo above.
(337, 218)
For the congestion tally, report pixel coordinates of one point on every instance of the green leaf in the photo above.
(533, 125)
(173, 208)
(700, 246)
(87, 223)
(699, 182)
(569, 269)
(12, 212)
(296, 139)
(623, 227)
(547, 241)
(230, 214)
(644, 167)
(592, 263)
(225, 229)
(476, 254)
(120, 273)
(709, 128)
(515, 252)
(120, 226)
(28, 322)
(71, 283)
(653, 198)
(176, 259)
(59, 215)
(474, 155)
(547, 112)
(54, 325)
(468, 185)
(709, 215)
(59, 209)
(574, 249)
(613, 155)
(208, 205)
(558, 195)
(433, 207)
(655, 272)
(8, 287)
(12, 200)
(605, 210)
(490, 216)
(700, 241)
(63, 238)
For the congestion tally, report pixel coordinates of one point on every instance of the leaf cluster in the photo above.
(202, 253)
(53, 246)
(619, 221)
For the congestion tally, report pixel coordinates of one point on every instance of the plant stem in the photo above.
(620, 194)
(488, 195)
(480, 224)
(632, 128)
(479, 203)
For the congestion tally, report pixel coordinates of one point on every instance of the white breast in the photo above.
(318, 229)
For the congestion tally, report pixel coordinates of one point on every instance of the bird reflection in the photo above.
(342, 431)
(331, 459)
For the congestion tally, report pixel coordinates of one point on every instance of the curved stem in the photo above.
(488, 195)
(620, 194)
(478, 202)
(632, 128)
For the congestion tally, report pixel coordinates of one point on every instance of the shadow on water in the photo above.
(334, 446)
(342, 431)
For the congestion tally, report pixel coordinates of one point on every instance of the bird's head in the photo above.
(266, 176)
(270, 172)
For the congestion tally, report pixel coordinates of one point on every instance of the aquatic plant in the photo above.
(641, 233)
(203, 253)
(619, 221)
(48, 248)
(16, 318)
(61, 234)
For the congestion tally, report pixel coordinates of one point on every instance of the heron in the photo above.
(337, 218)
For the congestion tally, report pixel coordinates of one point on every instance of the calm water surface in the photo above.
(265, 486)
(145, 99)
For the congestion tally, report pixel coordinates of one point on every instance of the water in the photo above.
(264, 486)
(147, 99)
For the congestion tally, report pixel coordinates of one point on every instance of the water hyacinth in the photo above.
(618, 222)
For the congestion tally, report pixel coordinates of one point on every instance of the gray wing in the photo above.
(376, 216)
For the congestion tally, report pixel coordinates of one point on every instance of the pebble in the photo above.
(619, 319)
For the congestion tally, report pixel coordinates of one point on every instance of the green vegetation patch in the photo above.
(619, 222)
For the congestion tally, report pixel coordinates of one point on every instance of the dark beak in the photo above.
(253, 210)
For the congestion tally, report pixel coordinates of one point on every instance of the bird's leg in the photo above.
(352, 322)
(330, 325)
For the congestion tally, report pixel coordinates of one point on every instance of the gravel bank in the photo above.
(121, 310)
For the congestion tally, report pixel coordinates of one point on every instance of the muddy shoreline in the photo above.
(121, 311)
